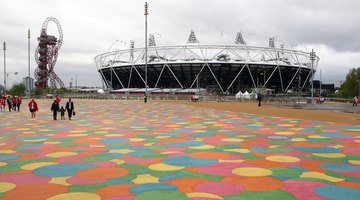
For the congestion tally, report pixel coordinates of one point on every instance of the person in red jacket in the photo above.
(57, 99)
(18, 103)
(33, 107)
(13, 99)
(2, 103)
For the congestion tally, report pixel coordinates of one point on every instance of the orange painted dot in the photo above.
(210, 155)
(35, 191)
(256, 184)
(114, 191)
(186, 185)
(102, 173)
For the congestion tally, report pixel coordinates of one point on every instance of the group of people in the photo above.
(69, 108)
(13, 103)
(55, 108)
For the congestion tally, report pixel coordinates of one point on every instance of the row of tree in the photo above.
(350, 87)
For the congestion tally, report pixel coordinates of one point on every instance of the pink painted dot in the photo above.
(219, 188)
(222, 169)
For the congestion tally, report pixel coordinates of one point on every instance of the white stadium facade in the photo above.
(230, 68)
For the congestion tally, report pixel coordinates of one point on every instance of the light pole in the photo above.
(28, 84)
(146, 14)
(4, 68)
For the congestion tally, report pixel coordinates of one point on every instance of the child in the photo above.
(62, 113)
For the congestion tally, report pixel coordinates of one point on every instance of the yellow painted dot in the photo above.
(78, 135)
(118, 161)
(145, 178)
(33, 166)
(232, 140)
(329, 155)
(298, 140)
(162, 136)
(251, 171)
(113, 135)
(203, 195)
(164, 167)
(207, 146)
(357, 141)
(60, 180)
(60, 154)
(354, 162)
(3, 164)
(320, 176)
(170, 152)
(7, 151)
(238, 150)
(136, 139)
(284, 133)
(282, 158)
(317, 137)
(122, 151)
(6, 186)
(39, 140)
(76, 196)
(52, 142)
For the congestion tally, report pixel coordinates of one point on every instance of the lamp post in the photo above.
(28, 80)
(146, 14)
(4, 68)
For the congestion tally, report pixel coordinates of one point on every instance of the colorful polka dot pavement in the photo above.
(122, 150)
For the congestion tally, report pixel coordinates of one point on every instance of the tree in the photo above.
(350, 87)
(18, 90)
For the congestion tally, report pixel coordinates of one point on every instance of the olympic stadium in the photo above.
(229, 68)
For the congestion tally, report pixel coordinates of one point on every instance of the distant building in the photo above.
(29, 83)
(326, 89)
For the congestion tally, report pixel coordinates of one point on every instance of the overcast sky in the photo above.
(91, 27)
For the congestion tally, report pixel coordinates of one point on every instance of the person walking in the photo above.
(62, 112)
(259, 99)
(70, 108)
(9, 102)
(145, 98)
(355, 101)
(3, 103)
(18, 102)
(55, 109)
(13, 103)
(33, 107)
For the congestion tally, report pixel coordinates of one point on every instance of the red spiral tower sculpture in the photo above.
(46, 56)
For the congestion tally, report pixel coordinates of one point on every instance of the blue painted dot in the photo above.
(113, 140)
(339, 167)
(151, 186)
(335, 135)
(278, 137)
(185, 144)
(338, 193)
(8, 157)
(318, 150)
(202, 135)
(32, 138)
(61, 170)
(188, 161)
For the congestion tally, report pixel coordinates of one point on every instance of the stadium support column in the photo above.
(4, 68)
(146, 13)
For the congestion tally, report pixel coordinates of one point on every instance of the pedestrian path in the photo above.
(122, 150)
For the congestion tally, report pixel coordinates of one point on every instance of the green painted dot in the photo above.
(270, 195)
(98, 158)
(284, 173)
(161, 194)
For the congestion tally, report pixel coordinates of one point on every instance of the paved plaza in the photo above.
(122, 150)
